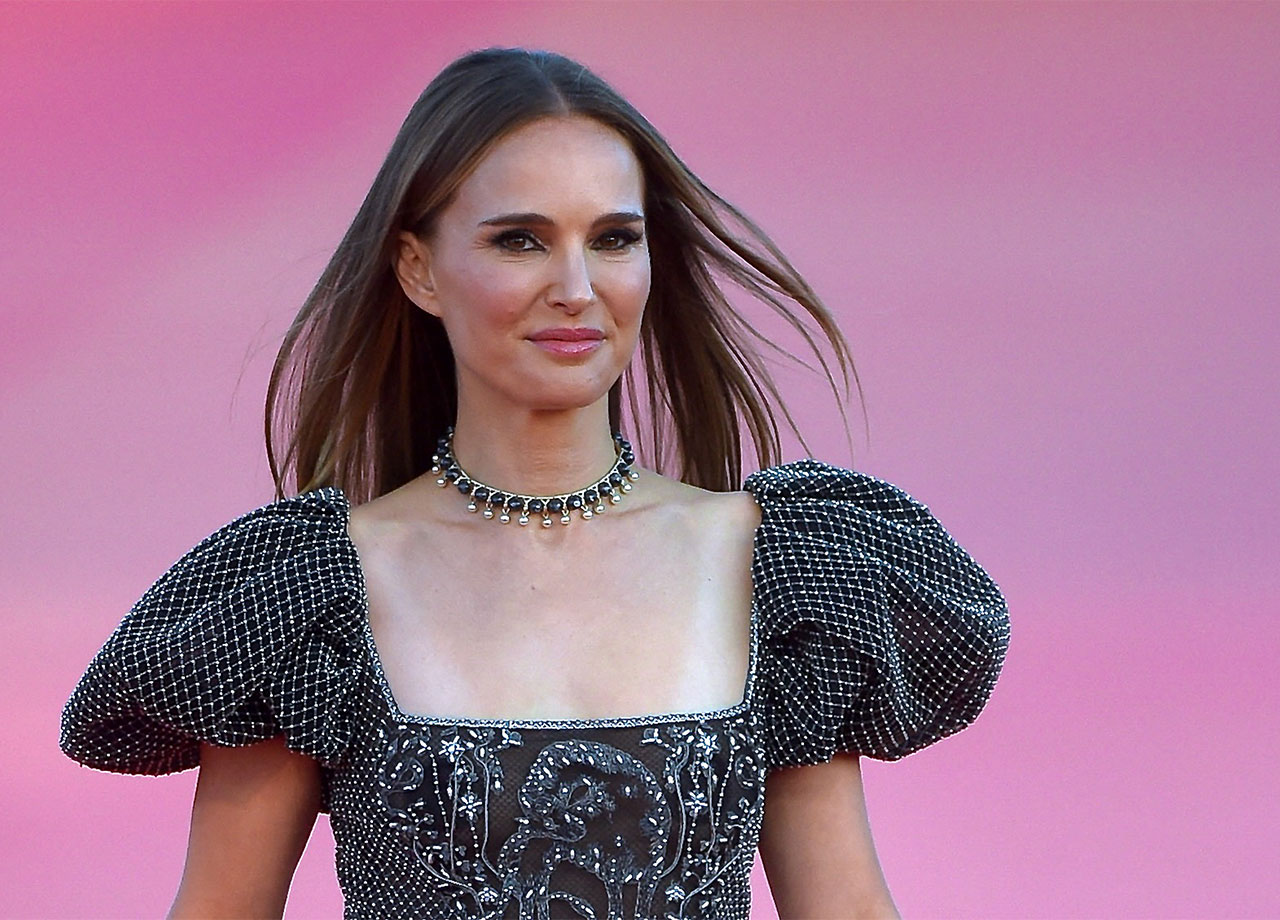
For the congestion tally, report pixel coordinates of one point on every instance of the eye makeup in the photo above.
(513, 240)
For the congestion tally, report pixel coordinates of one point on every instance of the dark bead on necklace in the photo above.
(503, 505)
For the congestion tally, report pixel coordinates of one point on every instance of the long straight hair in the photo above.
(364, 381)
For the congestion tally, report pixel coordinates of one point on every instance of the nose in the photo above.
(572, 289)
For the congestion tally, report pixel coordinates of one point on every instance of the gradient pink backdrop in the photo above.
(1051, 231)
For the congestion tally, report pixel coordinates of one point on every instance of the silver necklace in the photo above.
(497, 503)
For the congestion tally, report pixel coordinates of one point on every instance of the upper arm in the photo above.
(253, 812)
(816, 844)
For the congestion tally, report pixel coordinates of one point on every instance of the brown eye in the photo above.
(619, 239)
(514, 240)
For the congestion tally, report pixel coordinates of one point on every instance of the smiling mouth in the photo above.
(568, 334)
(568, 340)
(568, 346)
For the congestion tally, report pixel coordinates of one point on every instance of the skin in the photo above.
(671, 619)
(816, 844)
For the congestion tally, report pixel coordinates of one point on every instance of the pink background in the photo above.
(1051, 231)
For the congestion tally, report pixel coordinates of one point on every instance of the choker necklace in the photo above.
(496, 503)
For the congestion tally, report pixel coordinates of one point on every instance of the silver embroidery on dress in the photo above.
(590, 831)
(872, 631)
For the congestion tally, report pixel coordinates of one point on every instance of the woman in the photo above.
(524, 675)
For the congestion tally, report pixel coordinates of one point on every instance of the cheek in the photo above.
(629, 291)
(479, 297)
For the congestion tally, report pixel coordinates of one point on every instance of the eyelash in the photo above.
(627, 238)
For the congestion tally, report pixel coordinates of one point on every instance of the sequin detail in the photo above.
(661, 822)
(872, 631)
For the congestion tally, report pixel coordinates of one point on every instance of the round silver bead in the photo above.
(615, 498)
(546, 522)
(488, 513)
(633, 475)
(504, 518)
(586, 514)
(524, 519)
(565, 519)
(442, 482)
(471, 506)
(600, 508)
(626, 487)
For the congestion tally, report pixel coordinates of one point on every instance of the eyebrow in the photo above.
(531, 217)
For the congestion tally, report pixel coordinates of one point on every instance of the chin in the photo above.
(551, 398)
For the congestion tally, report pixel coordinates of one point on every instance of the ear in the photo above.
(413, 270)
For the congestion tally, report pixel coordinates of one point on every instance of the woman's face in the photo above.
(539, 267)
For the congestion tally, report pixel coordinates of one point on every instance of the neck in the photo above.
(536, 453)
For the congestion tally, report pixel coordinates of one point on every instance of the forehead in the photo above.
(555, 164)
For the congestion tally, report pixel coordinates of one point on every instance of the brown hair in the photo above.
(364, 382)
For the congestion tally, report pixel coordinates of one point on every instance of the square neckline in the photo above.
(673, 718)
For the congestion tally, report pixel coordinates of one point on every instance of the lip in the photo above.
(567, 346)
(568, 334)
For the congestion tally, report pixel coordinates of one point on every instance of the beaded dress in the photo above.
(871, 631)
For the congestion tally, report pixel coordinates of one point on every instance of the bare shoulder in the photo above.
(728, 514)
(367, 523)
(412, 504)
(395, 525)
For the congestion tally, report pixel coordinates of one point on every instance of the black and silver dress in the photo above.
(871, 631)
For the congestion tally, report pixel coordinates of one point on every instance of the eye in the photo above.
(618, 239)
(513, 240)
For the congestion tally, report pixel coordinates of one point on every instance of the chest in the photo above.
(636, 622)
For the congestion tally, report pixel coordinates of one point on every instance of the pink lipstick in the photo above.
(576, 340)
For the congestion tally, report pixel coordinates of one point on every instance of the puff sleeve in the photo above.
(879, 634)
(251, 634)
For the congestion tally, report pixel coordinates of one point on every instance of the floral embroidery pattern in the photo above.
(590, 831)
